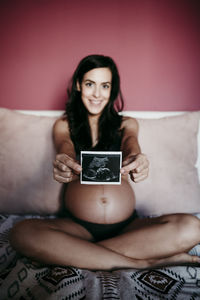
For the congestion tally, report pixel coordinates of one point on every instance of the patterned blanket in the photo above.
(20, 279)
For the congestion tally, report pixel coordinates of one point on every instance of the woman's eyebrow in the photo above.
(107, 82)
(89, 80)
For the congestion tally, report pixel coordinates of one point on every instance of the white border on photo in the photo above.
(104, 153)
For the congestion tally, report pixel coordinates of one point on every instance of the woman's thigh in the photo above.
(178, 220)
(140, 223)
(156, 237)
(65, 225)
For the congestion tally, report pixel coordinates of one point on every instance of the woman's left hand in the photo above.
(137, 166)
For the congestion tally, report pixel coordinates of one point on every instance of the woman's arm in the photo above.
(66, 168)
(134, 163)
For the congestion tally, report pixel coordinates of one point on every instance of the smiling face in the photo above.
(95, 90)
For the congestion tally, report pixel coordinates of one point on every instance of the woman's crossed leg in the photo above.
(144, 243)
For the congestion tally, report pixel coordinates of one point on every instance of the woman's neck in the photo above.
(94, 124)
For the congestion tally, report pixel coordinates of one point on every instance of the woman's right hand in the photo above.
(65, 168)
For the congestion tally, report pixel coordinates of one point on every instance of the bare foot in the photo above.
(178, 259)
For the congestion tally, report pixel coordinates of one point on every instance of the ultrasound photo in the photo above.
(100, 167)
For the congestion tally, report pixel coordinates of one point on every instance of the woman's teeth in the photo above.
(96, 102)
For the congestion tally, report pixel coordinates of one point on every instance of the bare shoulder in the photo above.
(61, 126)
(62, 137)
(61, 132)
(129, 123)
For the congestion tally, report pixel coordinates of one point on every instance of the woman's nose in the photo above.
(96, 92)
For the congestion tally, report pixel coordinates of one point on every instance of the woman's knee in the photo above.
(22, 235)
(188, 230)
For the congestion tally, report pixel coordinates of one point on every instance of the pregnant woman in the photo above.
(99, 228)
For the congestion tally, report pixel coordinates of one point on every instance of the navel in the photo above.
(103, 203)
(104, 200)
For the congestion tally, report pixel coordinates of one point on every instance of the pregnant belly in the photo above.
(104, 204)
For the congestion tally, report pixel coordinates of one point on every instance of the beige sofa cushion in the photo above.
(27, 153)
(171, 146)
(26, 156)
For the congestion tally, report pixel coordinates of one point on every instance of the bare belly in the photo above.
(104, 204)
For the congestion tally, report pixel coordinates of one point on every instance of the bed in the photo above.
(27, 190)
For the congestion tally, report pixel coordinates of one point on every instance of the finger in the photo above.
(61, 179)
(128, 160)
(141, 178)
(63, 174)
(142, 172)
(72, 165)
(132, 166)
(137, 165)
(137, 178)
(60, 166)
(141, 169)
(67, 161)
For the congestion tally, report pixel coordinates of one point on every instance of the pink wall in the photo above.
(156, 44)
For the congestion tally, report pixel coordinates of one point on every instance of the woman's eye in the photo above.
(88, 84)
(106, 86)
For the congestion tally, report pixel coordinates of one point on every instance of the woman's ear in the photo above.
(78, 86)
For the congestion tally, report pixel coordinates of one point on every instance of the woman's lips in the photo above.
(95, 102)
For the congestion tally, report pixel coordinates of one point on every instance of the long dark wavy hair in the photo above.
(77, 115)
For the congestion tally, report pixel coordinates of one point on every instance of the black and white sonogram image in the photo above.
(101, 167)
